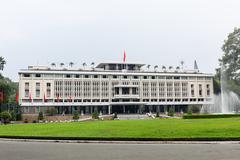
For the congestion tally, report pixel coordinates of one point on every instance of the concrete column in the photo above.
(158, 108)
(141, 107)
(109, 109)
(123, 109)
(150, 109)
(165, 109)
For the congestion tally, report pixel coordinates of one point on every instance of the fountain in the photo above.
(226, 102)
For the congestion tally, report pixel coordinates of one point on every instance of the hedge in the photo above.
(200, 116)
(122, 138)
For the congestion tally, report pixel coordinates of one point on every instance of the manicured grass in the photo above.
(160, 129)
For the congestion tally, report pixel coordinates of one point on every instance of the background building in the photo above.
(113, 87)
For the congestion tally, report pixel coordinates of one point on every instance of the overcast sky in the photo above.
(161, 32)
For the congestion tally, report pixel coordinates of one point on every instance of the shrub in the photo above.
(171, 112)
(51, 112)
(210, 116)
(13, 116)
(19, 116)
(115, 115)
(40, 116)
(195, 109)
(75, 115)
(25, 120)
(95, 115)
(189, 111)
(5, 117)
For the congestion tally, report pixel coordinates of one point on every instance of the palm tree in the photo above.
(92, 64)
(182, 63)
(148, 66)
(84, 64)
(61, 64)
(177, 68)
(2, 63)
(71, 64)
(53, 64)
(155, 67)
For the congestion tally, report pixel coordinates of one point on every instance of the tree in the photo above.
(230, 61)
(2, 63)
(9, 89)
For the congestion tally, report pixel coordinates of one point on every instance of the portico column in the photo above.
(123, 109)
(158, 109)
(109, 109)
(165, 109)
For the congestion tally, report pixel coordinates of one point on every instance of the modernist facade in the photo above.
(112, 87)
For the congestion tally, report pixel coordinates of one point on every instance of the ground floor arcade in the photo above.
(120, 109)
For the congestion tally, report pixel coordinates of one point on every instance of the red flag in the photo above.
(124, 56)
(44, 98)
(17, 97)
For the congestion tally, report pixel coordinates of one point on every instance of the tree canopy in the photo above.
(8, 87)
(231, 60)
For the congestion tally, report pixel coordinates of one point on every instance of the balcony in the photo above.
(126, 96)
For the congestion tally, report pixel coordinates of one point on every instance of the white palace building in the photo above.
(120, 87)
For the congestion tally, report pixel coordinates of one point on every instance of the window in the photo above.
(95, 76)
(168, 77)
(192, 90)
(134, 91)
(153, 77)
(200, 90)
(68, 76)
(37, 75)
(208, 90)
(86, 76)
(77, 76)
(114, 77)
(48, 89)
(125, 91)
(125, 77)
(144, 77)
(104, 76)
(37, 89)
(26, 75)
(26, 89)
(135, 77)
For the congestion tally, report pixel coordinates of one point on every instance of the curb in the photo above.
(117, 142)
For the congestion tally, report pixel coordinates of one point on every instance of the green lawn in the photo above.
(161, 129)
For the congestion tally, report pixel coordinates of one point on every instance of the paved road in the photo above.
(80, 151)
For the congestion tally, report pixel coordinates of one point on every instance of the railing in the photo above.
(127, 96)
